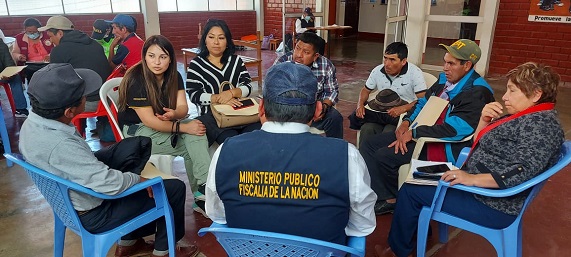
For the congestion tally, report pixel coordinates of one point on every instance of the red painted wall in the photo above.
(181, 28)
(517, 40)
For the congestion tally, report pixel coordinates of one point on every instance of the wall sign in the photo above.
(550, 11)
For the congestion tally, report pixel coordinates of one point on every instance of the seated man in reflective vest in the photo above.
(283, 178)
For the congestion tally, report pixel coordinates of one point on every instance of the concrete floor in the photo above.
(27, 220)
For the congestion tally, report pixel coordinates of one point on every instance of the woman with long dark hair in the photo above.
(152, 103)
(216, 64)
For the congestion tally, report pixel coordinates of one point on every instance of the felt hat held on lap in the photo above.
(385, 100)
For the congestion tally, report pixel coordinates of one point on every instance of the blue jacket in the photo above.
(462, 114)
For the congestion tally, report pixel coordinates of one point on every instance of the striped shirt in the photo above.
(203, 80)
(324, 71)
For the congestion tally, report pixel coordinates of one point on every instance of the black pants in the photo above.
(112, 213)
(383, 163)
(371, 117)
(332, 124)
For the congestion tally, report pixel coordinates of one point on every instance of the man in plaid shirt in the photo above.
(306, 52)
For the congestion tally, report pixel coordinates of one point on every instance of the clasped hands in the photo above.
(226, 97)
(403, 135)
(194, 127)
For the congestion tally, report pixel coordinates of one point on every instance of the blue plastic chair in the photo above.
(5, 137)
(246, 242)
(507, 241)
(56, 191)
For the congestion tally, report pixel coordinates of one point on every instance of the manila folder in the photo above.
(430, 112)
(150, 171)
(11, 71)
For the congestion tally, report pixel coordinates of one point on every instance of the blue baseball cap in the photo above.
(290, 76)
(125, 20)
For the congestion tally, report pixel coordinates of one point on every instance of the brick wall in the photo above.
(180, 28)
(517, 40)
(273, 14)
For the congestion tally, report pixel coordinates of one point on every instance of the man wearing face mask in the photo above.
(306, 20)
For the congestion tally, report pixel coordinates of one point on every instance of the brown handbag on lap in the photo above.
(226, 116)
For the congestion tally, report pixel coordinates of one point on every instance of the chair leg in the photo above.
(422, 231)
(5, 137)
(512, 240)
(97, 246)
(8, 91)
(442, 233)
(77, 123)
(115, 132)
(169, 222)
(59, 237)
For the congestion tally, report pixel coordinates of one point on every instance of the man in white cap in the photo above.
(79, 50)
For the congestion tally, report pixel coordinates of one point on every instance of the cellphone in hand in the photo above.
(245, 103)
(440, 168)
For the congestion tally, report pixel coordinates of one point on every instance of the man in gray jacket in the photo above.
(48, 141)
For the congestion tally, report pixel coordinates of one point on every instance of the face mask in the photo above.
(307, 18)
(33, 36)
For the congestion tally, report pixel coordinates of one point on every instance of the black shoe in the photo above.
(199, 194)
(21, 113)
(384, 208)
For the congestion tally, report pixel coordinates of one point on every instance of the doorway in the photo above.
(351, 16)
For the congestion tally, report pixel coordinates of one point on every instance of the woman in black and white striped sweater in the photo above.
(216, 63)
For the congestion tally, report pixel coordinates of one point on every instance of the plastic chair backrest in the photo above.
(246, 242)
(56, 191)
(100, 111)
(507, 241)
(109, 91)
(429, 79)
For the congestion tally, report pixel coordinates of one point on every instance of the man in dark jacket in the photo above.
(467, 94)
(79, 50)
(14, 81)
